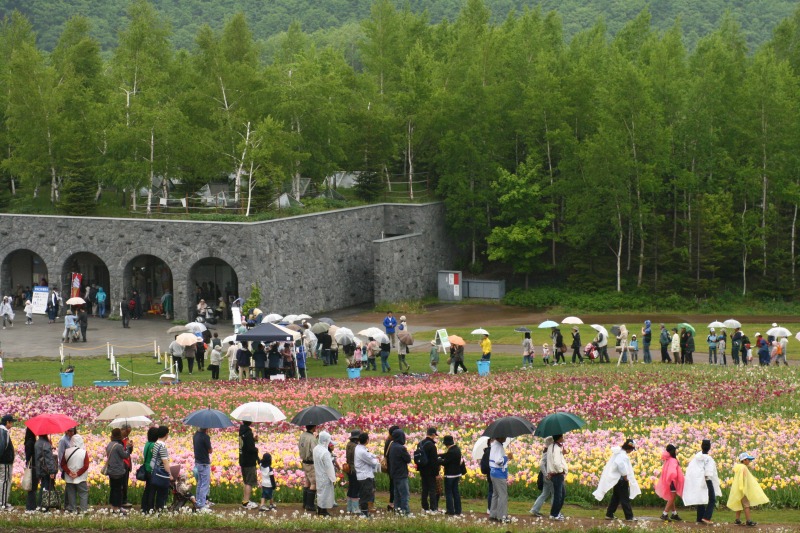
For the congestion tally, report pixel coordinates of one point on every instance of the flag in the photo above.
(76, 284)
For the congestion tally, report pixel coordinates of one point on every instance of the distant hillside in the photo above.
(269, 17)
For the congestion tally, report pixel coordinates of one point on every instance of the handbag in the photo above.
(52, 499)
(439, 486)
(346, 468)
(463, 468)
(540, 481)
(141, 474)
(27, 478)
(159, 478)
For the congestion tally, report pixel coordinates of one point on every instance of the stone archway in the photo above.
(23, 269)
(151, 277)
(211, 278)
(92, 268)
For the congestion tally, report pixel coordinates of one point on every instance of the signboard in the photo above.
(76, 284)
(39, 300)
(441, 339)
(236, 312)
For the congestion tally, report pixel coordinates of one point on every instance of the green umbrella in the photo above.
(558, 424)
(688, 327)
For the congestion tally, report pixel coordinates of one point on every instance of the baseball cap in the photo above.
(744, 456)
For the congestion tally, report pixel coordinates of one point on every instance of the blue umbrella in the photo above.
(208, 418)
(548, 324)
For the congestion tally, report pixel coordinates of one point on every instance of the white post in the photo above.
(158, 354)
(108, 350)
(166, 361)
(117, 372)
(61, 352)
(113, 363)
(155, 349)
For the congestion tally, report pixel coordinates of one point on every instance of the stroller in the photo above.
(181, 495)
(591, 352)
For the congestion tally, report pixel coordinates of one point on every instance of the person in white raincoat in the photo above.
(326, 475)
(618, 477)
(701, 484)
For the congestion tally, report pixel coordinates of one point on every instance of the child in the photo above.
(745, 490)
(267, 483)
(28, 313)
(357, 356)
(546, 354)
(183, 488)
(434, 357)
(633, 350)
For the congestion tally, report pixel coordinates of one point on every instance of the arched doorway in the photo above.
(151, 277)
(22, 270)
(210, 279)
(91, 268)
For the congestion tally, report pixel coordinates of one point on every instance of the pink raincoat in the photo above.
(670, 473)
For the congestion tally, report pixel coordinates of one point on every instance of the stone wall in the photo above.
(308, 263)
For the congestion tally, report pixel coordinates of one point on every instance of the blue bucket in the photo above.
(67, 379)
(353, 373)
(483, 368)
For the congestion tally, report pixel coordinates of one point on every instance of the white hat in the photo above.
(712, 330)
(774, 324)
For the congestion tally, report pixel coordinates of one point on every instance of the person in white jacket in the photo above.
(618, 477)
(557, 472)
(675, 346)
(75, 465)
(701, 483)
(325, 473)
(7, 312)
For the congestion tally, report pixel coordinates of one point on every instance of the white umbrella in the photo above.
(290, 318)
(272, 318)
(258, 412)
(601, 329)
(548, 324)
(303, 317)
(381, 338)
(731, 323)
(716, 324)
(186, 339)
(572, 320)
(371, 332)
(295, 334)
(229, 339)
(344, 336)
(196, 327)
(124, 409)
(797, 336)
(778, 332)
(480, 331)
(75, 300)
(131, 421)
(482, 443)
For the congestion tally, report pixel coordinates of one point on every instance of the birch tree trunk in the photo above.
(744, 255)
(794, 237)
(764, 182)
(250, 187)
(410, 153)
(152, 172)
(550, 171)
(240, 164)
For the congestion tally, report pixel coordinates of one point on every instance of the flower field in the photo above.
(739, 409)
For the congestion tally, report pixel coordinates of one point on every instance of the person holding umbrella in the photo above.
(116, 453)
(248, 462)
(547, 483)
(201, 443)
(325, 474)
(557, 472)
(618, 476)
(176, 352)
(306, 447)
(498, 471)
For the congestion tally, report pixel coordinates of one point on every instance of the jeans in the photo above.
(430, 500)
(712, 355)
(621, 495)
(499, 498)
(707, 510)
(203, 483)
(190, 360)
(665, 354)
(401, 495)
(559, 493)
(547, 493)
(161, 494)
(101, 309)
(735, 355)
(452, 496)
(326, 357)
(604, 354)
(647, 358)
(385, 361)
(76, 491)
(486, 357)
(527, 360)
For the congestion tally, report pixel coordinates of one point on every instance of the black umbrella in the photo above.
(208, 418)
(615, 330)
(522, 329)
(509, 426)
(265, 332)
(316, 415)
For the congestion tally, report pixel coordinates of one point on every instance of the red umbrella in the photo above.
(50, 423)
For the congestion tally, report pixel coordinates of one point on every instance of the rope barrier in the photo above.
(85, 349)
(138, 374)
(137, 346)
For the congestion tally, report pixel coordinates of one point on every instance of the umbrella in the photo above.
(572, 320)
(370, 332)
(522, 329)
(481, 444)
(688, 327)
(292, 327)
(778, 332)
(509, 426)
(125, 410)
(405, 337)
(229, 338)
(48, 424)
(716, 324)
(186, 339)
(615, 330)
(479, 331)
(381, 338)
(258, 412)
(294, 334)
(316, 415)
(797, 336)
(75, 300)
(600, 329)
(208, 418)
(195, 327)
(731, 323)
(558, 424)
(455, 339)
(290, 318)
(327, 320)
(344, 336)
(320, 327)
(133, 421)
(272, 317)
(303, 317)
(266, 333)
(178, 329)
(548, 324)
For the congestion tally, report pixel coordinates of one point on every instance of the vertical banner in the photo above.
(76, 285)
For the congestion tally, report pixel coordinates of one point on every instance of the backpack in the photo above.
(420, 457)
(485, 468)
(745, 341)
(131, 304)
(664, 337)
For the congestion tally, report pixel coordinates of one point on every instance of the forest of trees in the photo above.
(622, 161)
